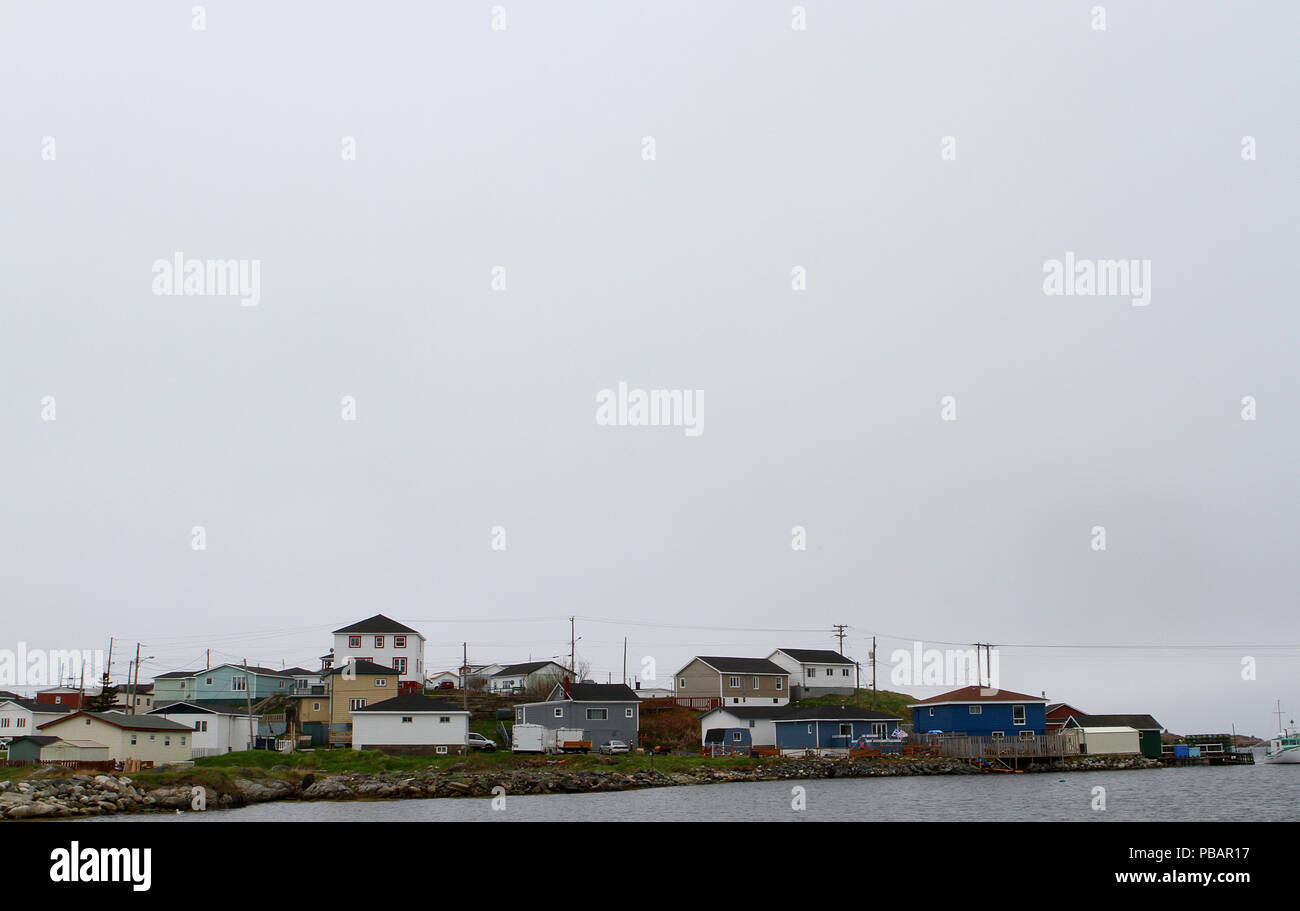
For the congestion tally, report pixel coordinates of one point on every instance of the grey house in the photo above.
(604, 711)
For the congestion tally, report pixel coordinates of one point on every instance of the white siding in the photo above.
(424, 729)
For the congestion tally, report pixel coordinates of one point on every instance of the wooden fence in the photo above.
(1041, 746)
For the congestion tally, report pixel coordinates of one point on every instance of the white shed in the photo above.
(1106, 741)
(411, 723)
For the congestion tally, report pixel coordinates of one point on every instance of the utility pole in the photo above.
(135, 680)
(109, 668)
(857, 685)
(464, 675)
(839, 634)
(873, 673)
(625, 660)
(248, 699)
(573, 668)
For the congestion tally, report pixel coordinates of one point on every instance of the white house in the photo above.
(816, 671)
(217, 728)
(759, 720)
(435, 680)
(411, 723)
(21, 717)
(384, 641)
(532, 676)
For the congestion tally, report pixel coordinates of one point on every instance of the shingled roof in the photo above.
(1140, 722)
(410, 702)
(727, 665)
(376, 624)
(815, 655)
(126, 722)
(978, 694)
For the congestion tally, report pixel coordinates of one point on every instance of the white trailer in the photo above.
(534, 738)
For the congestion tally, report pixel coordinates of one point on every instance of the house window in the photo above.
(399, 665)
(812, 672)
(559, 713)
(87, 721)
(752, 725)
(21, 723)
(1026, 735)
(733, 682)
(182, 740)
(736, 736)
(755, 683)
(1017, 714)
(810, 729)
(846, 730)
(442, 751)
(315, 706)
(931, 713)
(597, 714)
(627, 713)
(830, 672)
(844, 672)
(976, 709)
(407, 719)
(381, 681)
(399, 642)
(354, 642)
(355, 704)
(379, 642)
(4, 722)
(239, 684)
(200, 726)
(207, 682)
(681, 682)
(878, 730)
(779, 683)
(133, 740)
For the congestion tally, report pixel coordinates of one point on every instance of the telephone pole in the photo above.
(248, 699)
(625, 660)
(573, 641)
(464, 675)
(839, 634)
(135, 680)
(873, 673)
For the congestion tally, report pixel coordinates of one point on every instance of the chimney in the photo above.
(565, 683)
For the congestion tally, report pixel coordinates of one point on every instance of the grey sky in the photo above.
(775, 148)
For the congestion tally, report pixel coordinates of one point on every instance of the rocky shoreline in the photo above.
(105, 794)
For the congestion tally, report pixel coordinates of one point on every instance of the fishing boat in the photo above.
(1284, 746)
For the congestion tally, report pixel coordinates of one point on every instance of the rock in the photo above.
(328, 789)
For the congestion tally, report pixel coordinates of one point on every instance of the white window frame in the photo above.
(1024, 715)
(975, 709)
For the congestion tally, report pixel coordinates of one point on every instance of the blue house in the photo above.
(823, 727)
(976, 711)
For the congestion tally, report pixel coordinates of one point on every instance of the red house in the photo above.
(1058, 713)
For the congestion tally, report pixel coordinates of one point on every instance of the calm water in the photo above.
(1245, 793)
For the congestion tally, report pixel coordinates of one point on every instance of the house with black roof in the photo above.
(734, 728)
(1149, 730)
(711, 680)
(604, 711)
(817, 671)
(384, 641)
(531, 676)
(411, 723)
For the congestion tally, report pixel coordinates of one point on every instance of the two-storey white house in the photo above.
(384, 641)
(816, 671)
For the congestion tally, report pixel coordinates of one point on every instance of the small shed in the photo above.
(1105, 740)
(78, 750)
(28, 748)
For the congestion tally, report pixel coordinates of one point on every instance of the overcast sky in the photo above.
(775, 148)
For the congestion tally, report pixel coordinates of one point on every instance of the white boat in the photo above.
(1285, 746)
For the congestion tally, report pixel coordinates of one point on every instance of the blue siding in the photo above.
(958, 719)
(796, 734)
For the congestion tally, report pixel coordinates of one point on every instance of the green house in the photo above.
(1147, 727)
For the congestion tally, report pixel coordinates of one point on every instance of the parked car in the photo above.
(479, 742)
(610, 747)
(445, 685)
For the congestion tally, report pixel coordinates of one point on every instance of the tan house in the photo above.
(147, 738)
(350, 686)
(710, 681)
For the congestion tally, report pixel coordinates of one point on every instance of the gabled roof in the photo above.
(202, 706)
(47, 708)
(172, 674)
(815, 655)
(299, 672)
(519, 670)
(1138, 722)
(591, 692)
(411, 702)
(376, 624)
(126, 722)
(362, 666)
(40, 739)
(726, 665)
(977, 693)
(602, 692)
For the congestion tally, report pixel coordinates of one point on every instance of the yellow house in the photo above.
(351, 686)
(148, 738)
